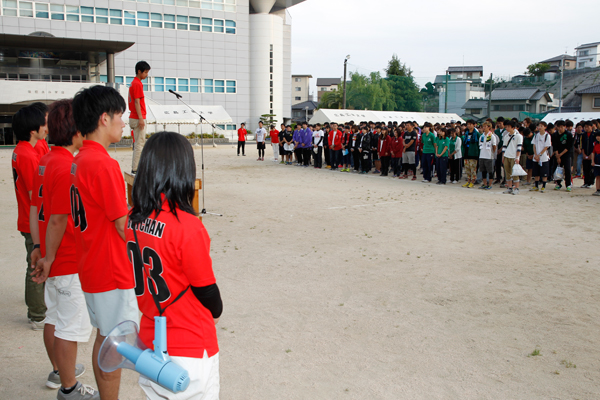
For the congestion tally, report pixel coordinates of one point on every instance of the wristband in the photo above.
(36, 246)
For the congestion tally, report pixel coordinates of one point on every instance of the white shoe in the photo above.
(37, 325)
(515, 191)
(454, 182)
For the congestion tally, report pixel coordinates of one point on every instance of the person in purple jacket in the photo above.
(298, 150)
(307, 135)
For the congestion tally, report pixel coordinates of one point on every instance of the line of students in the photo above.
(80, 244)
(453, 149)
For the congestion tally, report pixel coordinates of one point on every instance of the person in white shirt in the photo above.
(541, 160)
(260, 135)
(511, 153)
(487, 150)
(317, 142)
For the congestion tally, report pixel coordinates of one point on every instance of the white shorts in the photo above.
(109, 309)
(66, 308)
(204, 380)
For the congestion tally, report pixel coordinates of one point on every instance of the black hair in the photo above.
(560, 123)
(510, 123)
(28, 119)
(167, 167)
(90, 103)
(43, 107)
(550, 125)
(471, 121)
(500, 119)
(142, 66)
(569, 123)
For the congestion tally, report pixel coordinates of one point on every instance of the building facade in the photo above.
(588, 55)
(234, 53)
(300, 89)
(509, 102)
(326, 85)
(590, 99)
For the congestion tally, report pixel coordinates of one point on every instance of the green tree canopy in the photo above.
(397, 68)
(537, 69)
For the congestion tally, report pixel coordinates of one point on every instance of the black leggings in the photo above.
(241, 145)
(385, 165)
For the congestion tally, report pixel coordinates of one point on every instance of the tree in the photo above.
(268, 119)
(397, 68)
(333, 99)
(537, 69)
(429, 89)
(405, 92)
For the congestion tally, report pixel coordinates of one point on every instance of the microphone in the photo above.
(175, 93)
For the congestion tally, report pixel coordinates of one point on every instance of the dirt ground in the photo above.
(340, 286)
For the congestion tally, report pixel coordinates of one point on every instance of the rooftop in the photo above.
(587, 45)
(302, 76)
(465, 69)
(590, 90)
(519, 94)
(474, 103)
(328, 81)
(558, 58)
(312, 105)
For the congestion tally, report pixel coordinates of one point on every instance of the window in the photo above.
(219, 86)
(218, 25)
(297, 98)
(87, 14)
(129, 17)
(183, 85)
(143, 19)
(231, 127)
(230, 27)
(206, 24)
(298, 89)
(169, 21)
(159, 84)
(58, 12)
(25, 9)
(596, 103)
(584, 53)
(9, 8)
(129, 79)
(182, 22)
(231, 87)
(41, 10)
(297, 79)
(170, 84)
(102, 15)
(208, 86)
(194, 84)
(542, 107)
(581, 65)
(115, 17)
(194, 23)
(182, 3)
(156, 20)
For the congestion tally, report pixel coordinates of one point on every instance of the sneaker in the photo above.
(596, 193)
(403, 177)
(454, 182)
(414, 178)
(482, 187)
(53, 381)
(244, 155)
(238, 155)
(557, 187)
(81, 392)
(569, 189)
(328, 167)
(542, 189)
(515, 191)
(425, 181)
(534, 189)
(471, 185)
(466, 185)
(37, 325)
(502, 186)
(487, 188)
(508, 191)
(281, 162)
(526, 183)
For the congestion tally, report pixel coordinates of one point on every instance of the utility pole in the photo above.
(560, 95)
(490, 96)
(446, 94)
(345, 66)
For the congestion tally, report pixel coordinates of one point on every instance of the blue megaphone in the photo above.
(122, 348)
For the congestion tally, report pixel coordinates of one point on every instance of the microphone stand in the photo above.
(179, 97)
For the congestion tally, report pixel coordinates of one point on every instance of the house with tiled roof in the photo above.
(509, 102)
(590, 99)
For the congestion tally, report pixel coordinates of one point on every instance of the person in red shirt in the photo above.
(99, 211)
(41, 147)
(29, 126)
(174, 246)
(67, 319)
(396, 148)
(242, 132)
(335, 145)
(274, 133)
(137, 111)
(383, 148)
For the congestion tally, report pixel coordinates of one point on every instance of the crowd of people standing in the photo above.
(484, 154)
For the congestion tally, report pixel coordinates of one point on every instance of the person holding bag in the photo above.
(175, 266)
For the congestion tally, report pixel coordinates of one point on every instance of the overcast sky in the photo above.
(431, 35)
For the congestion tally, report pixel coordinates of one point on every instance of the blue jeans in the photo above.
(442, 165)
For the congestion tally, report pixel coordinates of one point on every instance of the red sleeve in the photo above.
(136, 91)
(109, 188)
(61, 199)
(196, 261)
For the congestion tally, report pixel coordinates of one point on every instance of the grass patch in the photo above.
(568, 364)
(535, 353)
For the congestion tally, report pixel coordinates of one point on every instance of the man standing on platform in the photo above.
(137, 112)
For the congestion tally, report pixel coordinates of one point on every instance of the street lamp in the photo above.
(306, 114)
(345, 65)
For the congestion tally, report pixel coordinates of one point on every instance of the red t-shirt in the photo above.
(24, 167)
(242, 134)
(176, 254)
(97, 200)
(41, 147)
(51, 196)
(274, 136)
(136, 91)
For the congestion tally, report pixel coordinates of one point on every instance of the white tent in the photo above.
(573, 116)
(343, 116)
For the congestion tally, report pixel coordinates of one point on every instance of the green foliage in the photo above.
(537, 69)
(333, 99)
(429, 89)
(369, 93)
(268, 120)
(397, 68)
(405, 93)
